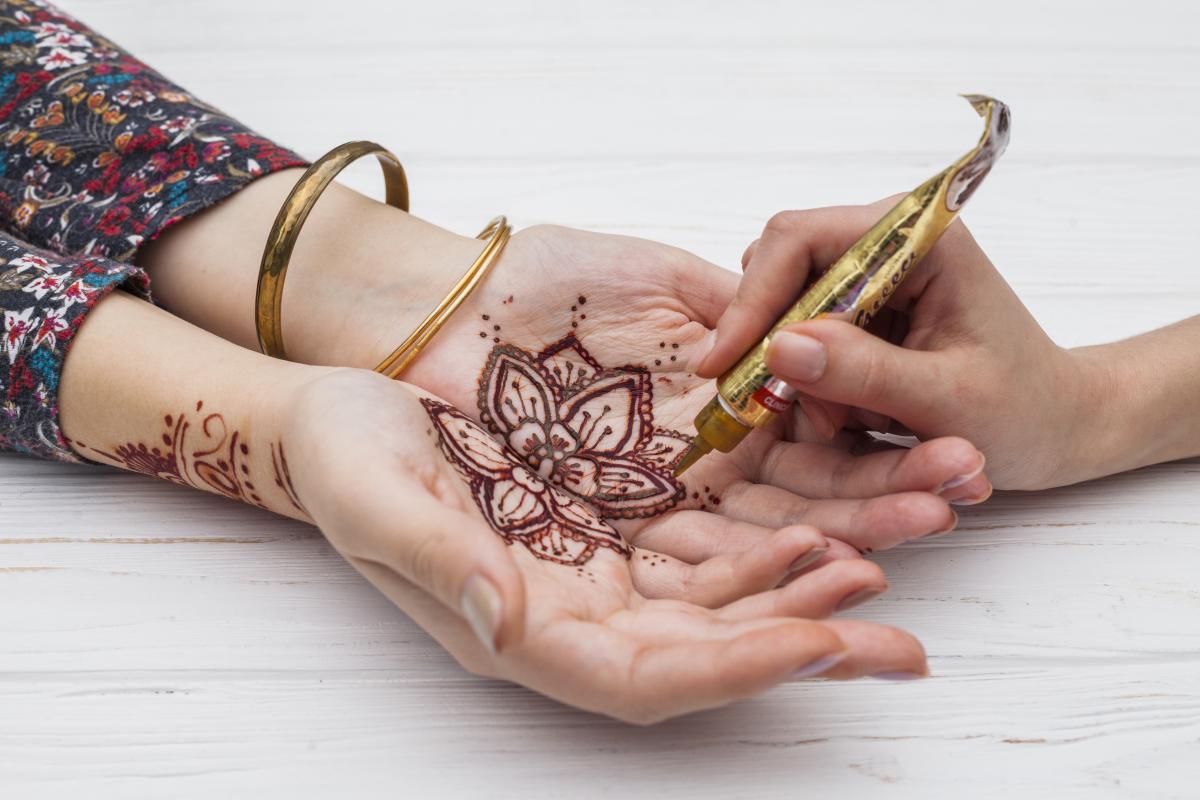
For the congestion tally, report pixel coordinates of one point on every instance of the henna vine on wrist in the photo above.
(518, 504)
(283, 476)
(211, 458)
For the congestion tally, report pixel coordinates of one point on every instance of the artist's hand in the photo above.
(958, 353)
(635, 310)
(409, 486)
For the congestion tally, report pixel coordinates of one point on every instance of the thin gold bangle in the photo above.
(290, 219)
(497, 233)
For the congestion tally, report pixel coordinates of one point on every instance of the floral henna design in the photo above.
(583, 427)
(218, 462)
(519, 505)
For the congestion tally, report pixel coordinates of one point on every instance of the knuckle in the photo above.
(784, 223)
(873, 376)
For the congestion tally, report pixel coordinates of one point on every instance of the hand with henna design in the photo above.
(636, 309)
(571, 610)
(583, 341)
(516, 577)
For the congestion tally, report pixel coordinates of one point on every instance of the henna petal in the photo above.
(664, 449)
(579, 475)
(568, 363)
(630, 488)
(579, 517)
(511, 509)
(559, 544)
(467, 446)
(513, 390)
(611, 414)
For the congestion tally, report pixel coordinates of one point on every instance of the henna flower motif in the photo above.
(518, 504)
(585, 428)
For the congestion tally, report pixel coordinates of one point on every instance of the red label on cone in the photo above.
(770, 401)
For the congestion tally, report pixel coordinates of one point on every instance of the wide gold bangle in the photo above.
(291, 218)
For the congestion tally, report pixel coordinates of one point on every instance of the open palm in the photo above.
(585, 618)
(574, 352)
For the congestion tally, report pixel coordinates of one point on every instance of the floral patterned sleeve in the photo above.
(99, 154)
(44, 298)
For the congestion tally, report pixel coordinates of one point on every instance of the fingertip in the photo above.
(973, 494)
(804, 545)
(966, 465)
(877, 650)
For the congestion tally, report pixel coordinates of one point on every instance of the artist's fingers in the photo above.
(817, 470)
(867, 524)
(728, 576)
(973, 492)
(748, 254)
(878, 651)
(836, 361)
(814, 595)
(793, 244)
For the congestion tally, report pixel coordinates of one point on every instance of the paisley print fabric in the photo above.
(98, 155)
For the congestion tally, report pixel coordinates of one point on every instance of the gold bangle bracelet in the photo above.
(497, 233)
(292, 215)
(291, 218)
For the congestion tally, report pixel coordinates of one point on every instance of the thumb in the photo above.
(793, 246)
(455, 557)
(836, 361)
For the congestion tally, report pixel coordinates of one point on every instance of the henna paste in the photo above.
(210, 457)
(518, 504)
(583, 427)
(283, 476)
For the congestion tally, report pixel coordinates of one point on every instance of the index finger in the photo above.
(792, 246)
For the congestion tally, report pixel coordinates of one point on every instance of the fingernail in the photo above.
(701, 350)
(897, 675)
(959, 480)
(973, 501)
(857, 598)
(481, 605)
(953, 524)
(808, 559)
(820, 665)
(802, 357)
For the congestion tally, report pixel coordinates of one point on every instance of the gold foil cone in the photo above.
(858, 285)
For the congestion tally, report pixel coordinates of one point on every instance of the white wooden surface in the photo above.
(157, 642)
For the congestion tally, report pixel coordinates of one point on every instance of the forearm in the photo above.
(1143, 397)
(145, 391)
(356, 259)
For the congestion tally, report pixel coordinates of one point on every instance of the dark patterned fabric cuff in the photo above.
(44, 298)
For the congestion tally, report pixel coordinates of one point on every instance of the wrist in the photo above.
(356, 260)
(1114, 428)
(367, 277)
